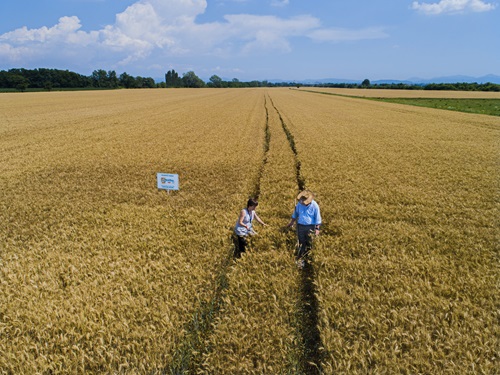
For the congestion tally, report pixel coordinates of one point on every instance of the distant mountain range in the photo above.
(415, 80)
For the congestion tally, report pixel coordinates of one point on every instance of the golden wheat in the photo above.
(100, 272)
(256, 330)
(383, 93)
(407, 262)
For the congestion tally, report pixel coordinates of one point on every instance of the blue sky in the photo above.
(255, 39)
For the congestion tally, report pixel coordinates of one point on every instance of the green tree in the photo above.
(190, 79)
(172, 79)
(18, 81)
(216, 81)
(112, 80)
(148, 82)
(168, 79)
(127, 81)
(235, 82)
(99, 78)
(48, 85)
(365, 83)
(22, 85)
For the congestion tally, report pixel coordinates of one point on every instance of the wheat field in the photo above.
(407, 275)
(389, 93)
(102, 273)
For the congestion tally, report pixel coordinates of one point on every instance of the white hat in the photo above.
(305, 196)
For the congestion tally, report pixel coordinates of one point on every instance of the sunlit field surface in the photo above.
(382, 93)
(99, 270)
(256, 332)
(408, 261)
(102, 273)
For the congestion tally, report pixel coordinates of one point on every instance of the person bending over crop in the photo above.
(308, 217)
(243, 227)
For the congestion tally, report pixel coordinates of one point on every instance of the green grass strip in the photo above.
(481, 106)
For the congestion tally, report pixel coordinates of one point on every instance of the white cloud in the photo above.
(453, 6)
(280, 3)
(62, 40)
(340, 35)
(267, 33)
(163, 28)
(67, 26)
(172, 11)
(14, 54)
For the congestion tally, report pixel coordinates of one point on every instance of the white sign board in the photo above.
(168, 181)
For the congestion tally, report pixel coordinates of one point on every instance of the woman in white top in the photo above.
(243, 226)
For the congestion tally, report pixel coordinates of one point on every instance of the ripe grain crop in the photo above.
(427, 94)
(99, 271)
(257, 330)
(102, 273)
(483, 103)
(489, 107)
(408, 259)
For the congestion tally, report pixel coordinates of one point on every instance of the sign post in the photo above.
(167, 181)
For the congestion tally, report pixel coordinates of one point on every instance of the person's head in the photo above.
(305, 197)
(252, 204)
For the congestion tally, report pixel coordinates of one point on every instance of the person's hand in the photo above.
(316, 232)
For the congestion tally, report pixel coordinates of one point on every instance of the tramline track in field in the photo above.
(257, 332)
(305, 357)
(301, 183)
(308, 304)
(188, 356)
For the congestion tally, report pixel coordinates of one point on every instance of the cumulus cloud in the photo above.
(64, 39)
(165, 28)
(66, 28)
(453, 6)
(264, 33)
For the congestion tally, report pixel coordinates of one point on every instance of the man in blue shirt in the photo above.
(308, 217)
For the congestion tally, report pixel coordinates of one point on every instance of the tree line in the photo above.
(459, 86)
(49, 79)
(52, 79)
(190, 79)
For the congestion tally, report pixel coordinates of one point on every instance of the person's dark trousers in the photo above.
(240, 244)
(304, 235)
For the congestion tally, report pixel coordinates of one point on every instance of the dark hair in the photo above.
(252, 202)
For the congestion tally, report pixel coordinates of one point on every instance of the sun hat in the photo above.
(306, 196)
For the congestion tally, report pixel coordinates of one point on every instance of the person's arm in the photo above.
(259, 220)
(317, 221)
(294, 217)
(242, 217)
